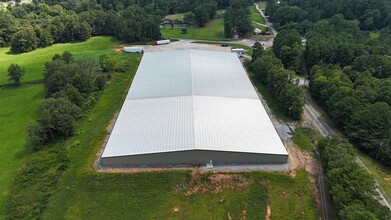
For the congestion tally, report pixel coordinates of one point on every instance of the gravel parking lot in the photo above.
(185, 44)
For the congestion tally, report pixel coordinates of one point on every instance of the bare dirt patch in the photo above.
(268, 212)
(176, 209)
(118, 48)
(210, 183)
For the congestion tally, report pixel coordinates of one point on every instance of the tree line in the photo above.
(71, 87)
(352, 188)
(270, 71)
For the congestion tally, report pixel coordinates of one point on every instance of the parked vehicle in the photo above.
(161, 42)
(239, 51)
(133, 50)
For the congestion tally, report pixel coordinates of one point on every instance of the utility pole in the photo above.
(381, 146)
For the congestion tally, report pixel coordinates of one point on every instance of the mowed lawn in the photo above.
(18, 107)
(178, 16)
(34, 61)
(213, 30)
(255, 15)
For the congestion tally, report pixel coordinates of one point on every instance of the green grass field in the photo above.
(34, 61)
(305, 138)
(255, 15)
(260, 27)
(178, 16)
(19, 107)
(262, 5)
(213, 30)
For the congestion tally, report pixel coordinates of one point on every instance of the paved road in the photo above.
(316, 119)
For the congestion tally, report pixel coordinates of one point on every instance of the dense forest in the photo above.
(371, 14)
(347, 58)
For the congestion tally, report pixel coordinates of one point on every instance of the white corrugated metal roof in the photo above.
(191, 99)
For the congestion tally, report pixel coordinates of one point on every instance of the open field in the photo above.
(178, 16)
(15, 115)
(34, 61)
(260, 27)
(255, 15)
(304, 138)
(213, 30)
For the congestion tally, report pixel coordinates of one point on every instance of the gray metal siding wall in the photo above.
(195, 157)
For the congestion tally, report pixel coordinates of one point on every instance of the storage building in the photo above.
(192, 107)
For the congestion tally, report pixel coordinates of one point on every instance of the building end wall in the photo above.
(194, 157)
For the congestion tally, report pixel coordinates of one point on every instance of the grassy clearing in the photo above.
(255, 15)
(260, 27)
(213, 30)
(381, 173)
(178, 16)
(34, 61)
(15, 115)
(304, 138)
(262, 5)
(374, 34)
(291, 198)
(249, 50)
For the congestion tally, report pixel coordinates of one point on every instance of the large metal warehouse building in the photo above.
(192, 107)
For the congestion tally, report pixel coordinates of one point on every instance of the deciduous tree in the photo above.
(15, 73)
